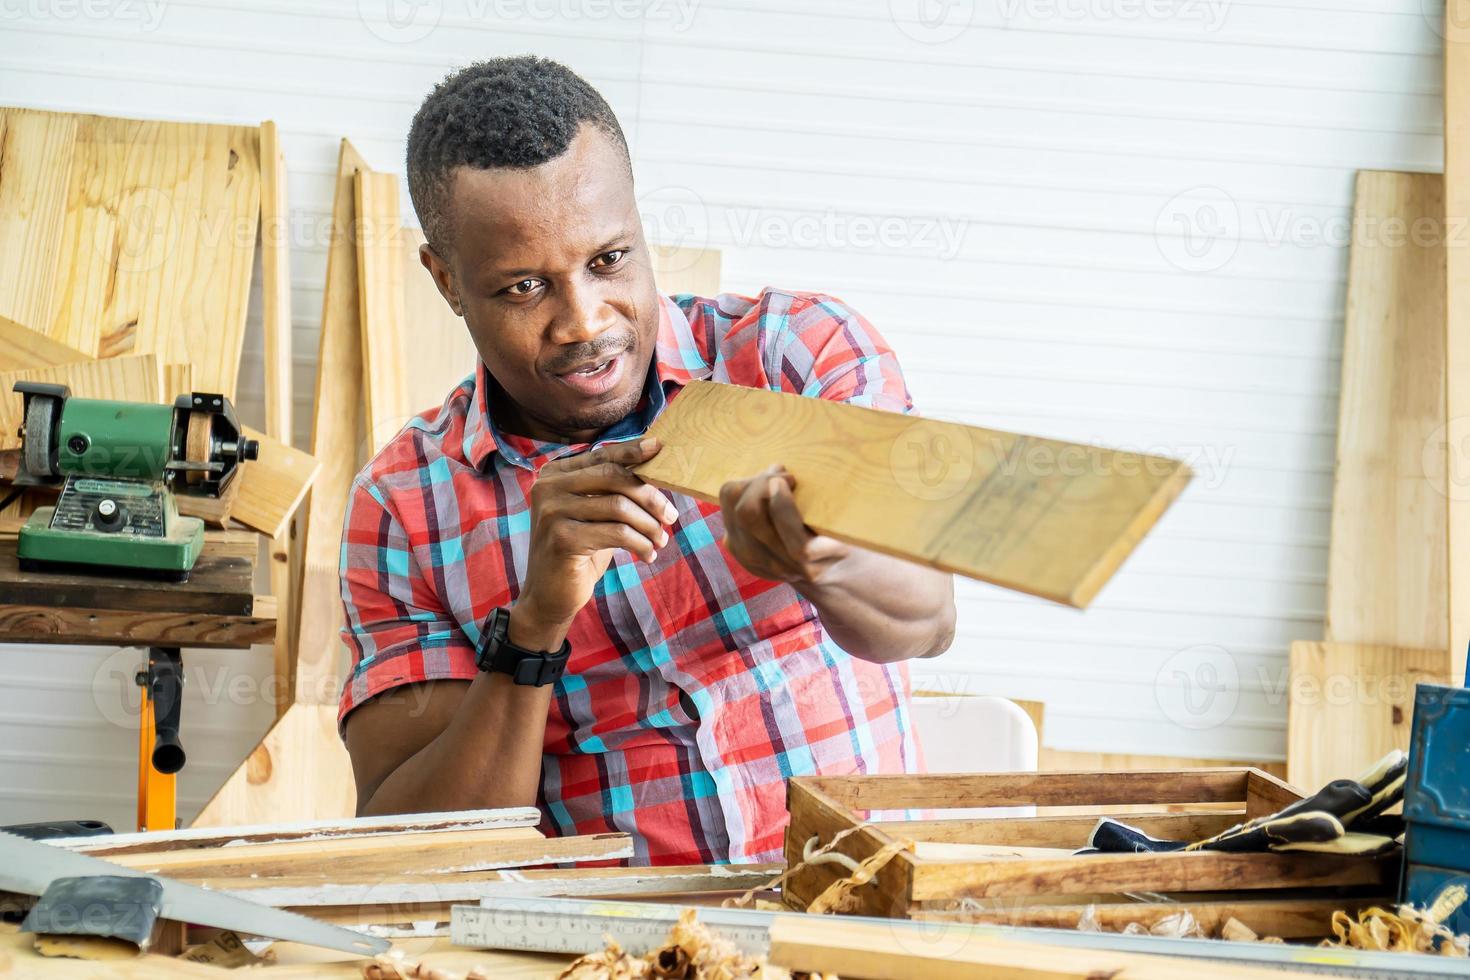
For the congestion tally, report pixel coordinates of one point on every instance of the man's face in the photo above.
(549, 269)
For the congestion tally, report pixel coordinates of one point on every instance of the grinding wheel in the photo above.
(38, 438)
(197, 443)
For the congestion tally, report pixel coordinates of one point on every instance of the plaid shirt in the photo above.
(694, 689)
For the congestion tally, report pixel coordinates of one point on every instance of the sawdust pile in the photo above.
(692, 952)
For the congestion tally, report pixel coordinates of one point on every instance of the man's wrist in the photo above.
(530, 629)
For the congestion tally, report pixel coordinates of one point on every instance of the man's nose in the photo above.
(585, 315)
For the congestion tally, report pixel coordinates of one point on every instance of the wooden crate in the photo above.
(1290, 895)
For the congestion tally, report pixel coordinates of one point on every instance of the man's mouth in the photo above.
(597, 377)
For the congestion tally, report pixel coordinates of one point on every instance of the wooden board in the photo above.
(221, 584)
(275, 264)
(686, 270)
(298, 771)
(1351, 705)
(273, 485)
(132, 236)
(828, 945)
(1054, 760)
(381, 305)
(203, 837)
(136, 379)
(450, 851)
(1048, 518)
(338, 442)
(441, 353)
(1386, 569)
(1457, 332)
(21, 347)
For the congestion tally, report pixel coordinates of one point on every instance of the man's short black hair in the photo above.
(515, 112)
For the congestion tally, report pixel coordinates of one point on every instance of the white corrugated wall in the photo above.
(1114, 221)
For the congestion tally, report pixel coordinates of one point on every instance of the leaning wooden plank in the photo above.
(826, 945)
(1386, 569)
(1049, 518)
(298, 771)
(1457, 328)
(442, 353)
(380, 301)
(201, 837)
(1350, 705)
(273, 485)
(406, 854)
(157, 244)
(339, 442)
(121, 378)
(36, 150)
(21, 347)
(686, 270)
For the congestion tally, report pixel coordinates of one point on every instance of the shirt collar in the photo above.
(677, 361)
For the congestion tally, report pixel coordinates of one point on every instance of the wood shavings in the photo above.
(692, 952)
(837, 897)
(1406, 930)
(393, 966)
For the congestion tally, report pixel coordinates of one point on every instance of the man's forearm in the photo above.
(489, 755)
(883, 609)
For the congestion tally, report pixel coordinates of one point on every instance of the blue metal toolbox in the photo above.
(1437, 799)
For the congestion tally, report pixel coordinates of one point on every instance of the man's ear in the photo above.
(439, 269)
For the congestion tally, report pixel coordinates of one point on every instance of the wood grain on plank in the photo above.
(1386, 568)
(381, 305)
(134, 379)
(36, 151)
(1084, 788)
(405, 854)
(55, 624)
(1048, 518)
(1062, 831)
(21, 347)
(1457, 332)
(442, 353)
(298, 771)
(1350, 705)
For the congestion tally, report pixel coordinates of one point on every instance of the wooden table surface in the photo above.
(217, 607)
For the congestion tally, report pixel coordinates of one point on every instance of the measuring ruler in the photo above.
(577, 926)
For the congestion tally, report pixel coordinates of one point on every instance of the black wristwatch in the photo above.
(530, 668)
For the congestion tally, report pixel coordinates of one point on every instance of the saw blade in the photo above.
(29, 867)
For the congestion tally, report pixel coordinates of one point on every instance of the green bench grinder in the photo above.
(119, 465)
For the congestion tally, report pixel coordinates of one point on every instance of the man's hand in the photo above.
(765, 532)
(582, 509)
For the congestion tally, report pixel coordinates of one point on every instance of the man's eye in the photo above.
(523, 288)
(609, 258)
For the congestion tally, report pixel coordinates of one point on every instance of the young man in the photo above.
(533, 625)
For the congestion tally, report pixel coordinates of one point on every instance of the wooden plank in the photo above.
(442, 353)
(36, 150)
(1056, 760)
(1286, 918)
(381, 305)
(221, 584)
(156, 247)
(53, 624)
(273, 486)
(947, 790)
(686, 270)
(1062, 831)
(1172, 872)
(450, 851)
(298, 771)
(1457, 320)
(21, 347)
(1044, 517)
(202, 837)
(832, 946)
(338, 441)
(135, 379)
(1386, 569)
(178, 379)
(1350, 705)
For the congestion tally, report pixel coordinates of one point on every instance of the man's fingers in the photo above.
(786, 517)
(614, 478)
(622, 453)
(591, 537)
(615, 508)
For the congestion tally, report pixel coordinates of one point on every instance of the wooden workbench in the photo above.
(217, 607)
